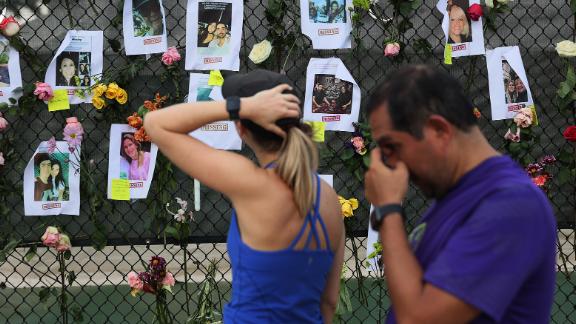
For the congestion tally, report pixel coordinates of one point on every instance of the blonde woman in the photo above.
(459, 29)
(286, 236)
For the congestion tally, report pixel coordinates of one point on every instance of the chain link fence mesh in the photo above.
(134, 230)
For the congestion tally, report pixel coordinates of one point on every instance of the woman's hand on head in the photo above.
(268, 106)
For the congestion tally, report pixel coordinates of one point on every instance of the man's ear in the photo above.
(439, 128)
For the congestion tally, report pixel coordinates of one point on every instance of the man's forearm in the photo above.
(403, 272)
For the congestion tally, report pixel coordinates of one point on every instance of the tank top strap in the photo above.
(317, 216)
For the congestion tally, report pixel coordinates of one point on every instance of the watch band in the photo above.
(233, 107)
(380, 212)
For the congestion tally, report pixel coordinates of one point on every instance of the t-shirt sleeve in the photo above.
(487, 260)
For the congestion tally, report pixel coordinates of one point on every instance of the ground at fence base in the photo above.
(113, 304)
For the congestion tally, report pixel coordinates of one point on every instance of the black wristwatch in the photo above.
(382, 211)
(233, 107)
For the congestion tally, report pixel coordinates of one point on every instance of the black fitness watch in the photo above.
(233, 107)
(380, 212)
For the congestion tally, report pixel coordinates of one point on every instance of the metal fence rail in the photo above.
(127, 232)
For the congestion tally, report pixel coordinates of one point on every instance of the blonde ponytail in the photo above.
(296, 164)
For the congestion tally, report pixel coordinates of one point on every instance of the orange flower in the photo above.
(141, 136)
(477, 113)
(159, 99)
(540, 180)
(149, 105)
(135, 121)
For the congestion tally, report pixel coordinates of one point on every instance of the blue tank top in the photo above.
(283, 286)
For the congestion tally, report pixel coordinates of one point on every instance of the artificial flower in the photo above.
(348, 206)
(9, 26)
(524, 118)
(98, 102)
(170, 56)
(112, 90)
(548, 160)
(260, 52)
(540, 180)
(135, 120)
(570, 133)
(3, 123)
(534, 168)
(392, 49)
(134, 280)
(99, 90)
(122, 96)
(141, 136)
(149, 105)
(51, 145)
(73, 132)
(477, 113)
(51, 236)
(63, 243)
(358, 144)
(168, 280)
(43, 91)
(475, 12)
(566, 48)
(513, 137)
(1, 159)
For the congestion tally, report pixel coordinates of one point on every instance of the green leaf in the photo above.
(172, 231)
(30, 254)
(12, 101)
(67, 255)
(563, 176)
(44, 294)
(115, 45)
(563, 90)
(366, 159)
(10, 246)
(565, 156)
(416, 4)
(71, 277)
(347, 155)
(571, 76)
(77, 313)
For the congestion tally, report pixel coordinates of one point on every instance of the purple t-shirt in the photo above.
(491, 242)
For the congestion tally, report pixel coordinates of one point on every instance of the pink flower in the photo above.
(63, 243)
(134, 281)
(51, 236)
(168, 280)
(73, 132)
(513, 137)
(392, 49)
(43, 91)
(171, 56)
(1, 159)
(359, 146)
(51, 145)
(3, 123)
(523, 118)
(9, 26)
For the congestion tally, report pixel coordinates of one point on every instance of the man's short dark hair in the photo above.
(40, 157)
(415, 92)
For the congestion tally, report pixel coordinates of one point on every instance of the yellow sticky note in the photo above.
(216, 78)
(120, 189)
(318, 130)
(59, 101)
(448, 54)
(534, 115)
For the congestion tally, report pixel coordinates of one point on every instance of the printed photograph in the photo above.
(135, 158)
(4, 59)
(214, 24)
(327, 11)
(84, 69)
(514, 89)
(203, 93)
(331, 95)
(147, 18)
(459, 28)
(67, 69)
(51, 177)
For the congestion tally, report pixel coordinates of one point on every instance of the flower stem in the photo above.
(63, 300)
(363, 297)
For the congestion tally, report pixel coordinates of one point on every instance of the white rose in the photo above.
(566, 48)
(260, 52)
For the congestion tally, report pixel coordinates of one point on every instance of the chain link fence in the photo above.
(127, 233)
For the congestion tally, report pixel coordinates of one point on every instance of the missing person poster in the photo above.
(131, 160)
(327, 23)
(214, 34)
(10, 74)
(332, 95)
(509, 88)
(465, 36)
(144, 27)
(77, 60)
(220, 135)
(52, 181)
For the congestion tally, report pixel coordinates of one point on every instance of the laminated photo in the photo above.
(465, 36)
(10, 74)
(220, 135)
(144, 27)
(78, 60)
(130, 160)
(509, 88)
(214, 34)
(332, 95)
(327, 23)
(52, 181)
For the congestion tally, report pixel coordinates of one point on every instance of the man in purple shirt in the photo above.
(485, 250)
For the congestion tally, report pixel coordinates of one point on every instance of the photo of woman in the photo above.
(459, 27)
(214, 28)
(57, 181)
(137, 158)
(147, 16)
(66, 71)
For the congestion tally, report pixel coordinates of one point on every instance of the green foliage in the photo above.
(209, 302)
(8, 249)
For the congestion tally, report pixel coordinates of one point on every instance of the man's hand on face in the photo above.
(384, 185)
